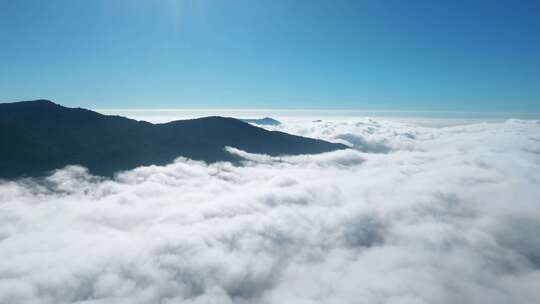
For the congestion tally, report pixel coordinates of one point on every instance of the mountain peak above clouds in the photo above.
(39, 136)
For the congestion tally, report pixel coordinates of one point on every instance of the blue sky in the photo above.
(386, 55)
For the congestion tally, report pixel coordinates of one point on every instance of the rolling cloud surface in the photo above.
(410, 214)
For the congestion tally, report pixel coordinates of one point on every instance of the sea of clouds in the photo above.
(410, 214)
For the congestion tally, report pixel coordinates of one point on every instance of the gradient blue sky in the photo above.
(398, 55)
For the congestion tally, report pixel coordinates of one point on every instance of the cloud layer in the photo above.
(409, 214)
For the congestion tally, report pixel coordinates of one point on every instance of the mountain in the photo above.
(39, 136)
(267, 121)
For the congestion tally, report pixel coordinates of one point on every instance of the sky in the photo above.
(379, 55)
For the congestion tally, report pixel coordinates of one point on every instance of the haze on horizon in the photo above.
(394, 55)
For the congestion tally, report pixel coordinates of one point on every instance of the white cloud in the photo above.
(444, 215)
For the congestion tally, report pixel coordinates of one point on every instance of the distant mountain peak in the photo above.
(268, 121)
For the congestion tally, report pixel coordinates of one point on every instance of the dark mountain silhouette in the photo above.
(267, 121)
(39, 136)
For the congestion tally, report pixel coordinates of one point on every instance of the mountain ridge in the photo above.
(39, 136)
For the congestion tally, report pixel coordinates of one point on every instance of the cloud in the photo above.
(359, 143)
(448, 215)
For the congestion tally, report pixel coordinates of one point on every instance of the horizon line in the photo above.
(306, 110)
